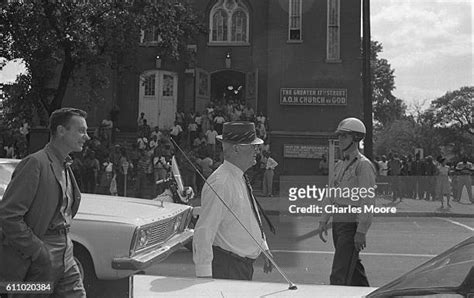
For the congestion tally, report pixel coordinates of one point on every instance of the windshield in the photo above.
(447, 271)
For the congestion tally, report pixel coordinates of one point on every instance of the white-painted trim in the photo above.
(300, 25)
(338, 24)
(458, 224)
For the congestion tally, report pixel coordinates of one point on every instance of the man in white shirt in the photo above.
(157, 133)
(270, 165)
(142, 142)
(222, 248)
(25, 131)
(211, 135)
(175, 132)
(140, 119)
(464, 170)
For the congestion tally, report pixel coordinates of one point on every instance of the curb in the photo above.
(398, 214)
(266, 204)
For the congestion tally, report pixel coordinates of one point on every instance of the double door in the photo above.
(158, 97)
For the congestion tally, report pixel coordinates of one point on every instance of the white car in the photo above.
(450, 274)
(115, 237)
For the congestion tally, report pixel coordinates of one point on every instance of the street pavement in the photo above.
(396, 244)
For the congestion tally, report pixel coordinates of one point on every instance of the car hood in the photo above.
(167, 286)
(132, 211)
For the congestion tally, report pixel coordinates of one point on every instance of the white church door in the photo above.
(158, 97)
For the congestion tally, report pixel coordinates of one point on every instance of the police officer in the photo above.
(351, 220)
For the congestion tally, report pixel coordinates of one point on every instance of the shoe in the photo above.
(449, 205)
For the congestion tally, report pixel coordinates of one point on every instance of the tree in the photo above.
(399, 136)
(58, 40)
(387, 108)
(455, 110)
(426, 131)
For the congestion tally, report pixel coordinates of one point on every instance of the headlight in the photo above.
(142, 240)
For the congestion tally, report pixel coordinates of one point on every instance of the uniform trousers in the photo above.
(227, 265)
(464, 180)
(347, 268)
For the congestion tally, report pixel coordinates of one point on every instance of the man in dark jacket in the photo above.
(37, 210)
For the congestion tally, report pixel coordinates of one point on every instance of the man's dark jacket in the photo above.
(30, 201)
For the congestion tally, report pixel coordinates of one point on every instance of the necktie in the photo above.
(260, 209)
(67, 175)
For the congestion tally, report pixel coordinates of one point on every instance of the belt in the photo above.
(236, 256)
(58, 231)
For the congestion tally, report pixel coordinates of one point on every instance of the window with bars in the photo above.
(149, 85)
(229, 22)
(333, 31)
(294, 22)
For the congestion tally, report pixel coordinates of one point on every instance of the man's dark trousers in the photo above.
(64, 272)
(343, 233)
(226, 265)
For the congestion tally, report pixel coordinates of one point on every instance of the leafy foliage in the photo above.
(455, 110)
(59, 40)
(387, 108)
(446, 124)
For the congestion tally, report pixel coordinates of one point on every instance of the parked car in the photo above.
(450, 274)
(115, 237)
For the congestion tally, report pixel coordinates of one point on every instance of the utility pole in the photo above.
(366, 76)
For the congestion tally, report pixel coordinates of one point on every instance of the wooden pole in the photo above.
(366, 80)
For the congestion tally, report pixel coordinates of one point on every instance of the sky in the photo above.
(429, 44)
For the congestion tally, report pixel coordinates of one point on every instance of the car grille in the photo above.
(161, 231)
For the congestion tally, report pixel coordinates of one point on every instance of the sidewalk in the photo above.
(406, 208)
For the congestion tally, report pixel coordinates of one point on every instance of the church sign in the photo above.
(304, 151)
(313, 96)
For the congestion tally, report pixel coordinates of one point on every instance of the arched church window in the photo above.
(239, 27)
(219, 25)
(229, 22)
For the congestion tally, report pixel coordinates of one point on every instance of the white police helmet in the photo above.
(352, 126)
